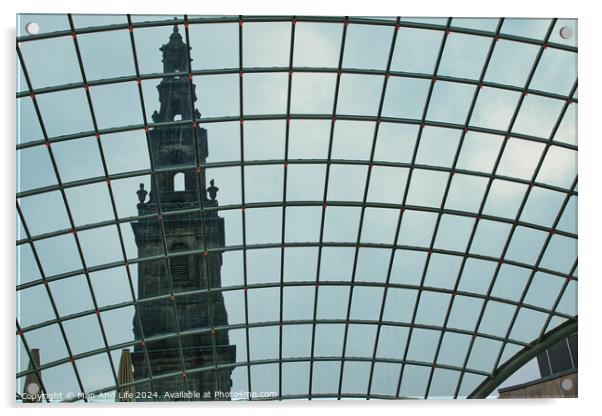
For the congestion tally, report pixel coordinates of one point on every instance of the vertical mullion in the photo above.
(363, 207)
(155, 190)
(283, 236)
(242, 200)
(201, 197)
(405, 196)
(445, 195)
(324, 203)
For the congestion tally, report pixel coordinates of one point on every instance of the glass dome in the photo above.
(397, 200)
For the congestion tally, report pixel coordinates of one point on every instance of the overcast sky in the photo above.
(108, 54)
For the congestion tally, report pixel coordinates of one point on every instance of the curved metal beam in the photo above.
(521, 358)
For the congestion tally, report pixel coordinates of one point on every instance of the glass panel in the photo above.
(478, 23)
(116, 60)
(542, 206)
(417, 228)
(442, 271)
(399, 306)
(392, 342)
(58, 254)
(300, 263)
(464, 55)
(510, 282)
(60, 122)
(476, 275)
(408, 266)
(296, 341)
(295, 378)
(100, 245)
(556, 72)
(443, 384)
(44, 213)
(545, 110)
(263, 183)
(329, 340)
(332, 302)
(355, 377)
(490, 238)
(385, 378)
(263, 266)
(43, 69)
(28, 124)
(504, 199)
(379, 225)
(317, 44)
(224, 93)
(395, 142)
(312, 93)
(496, 318)
(511, 63)
(372, 264)
(90, 204)
(526, 244)
(528, 325)
(438, 146)
(413, 381)
(366, 303)
(560, 254)
(298, 303)
(450, 102)
(432, 308)
(266, 44)
(405, 98)
(341, 224)
(308, 139)
(360, 341)
(569, 23)
(43, 176)
(494, 108)
(529, 28)
(347, 183)
(264, 342)
(464, 312)
(454, 232)
(326, 377)
(559, 167)
(214, 46)
(263, 304)
(63, 292)
(305, 182)
(359, 94)
(47, 22)
(416, 50)
(544, 290)
(352, 140)
(484, 353)
(265, 93)
(453, 350)
(263, 225)
(367, 46)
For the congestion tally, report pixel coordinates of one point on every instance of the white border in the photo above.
(589, 171)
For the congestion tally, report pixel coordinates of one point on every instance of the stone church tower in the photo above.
(197, 315)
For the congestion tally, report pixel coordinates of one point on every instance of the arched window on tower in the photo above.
(179, 266)
(178, 182)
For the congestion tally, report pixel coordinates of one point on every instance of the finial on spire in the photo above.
(175, 26)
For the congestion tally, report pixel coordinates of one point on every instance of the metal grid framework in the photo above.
(502, 368)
